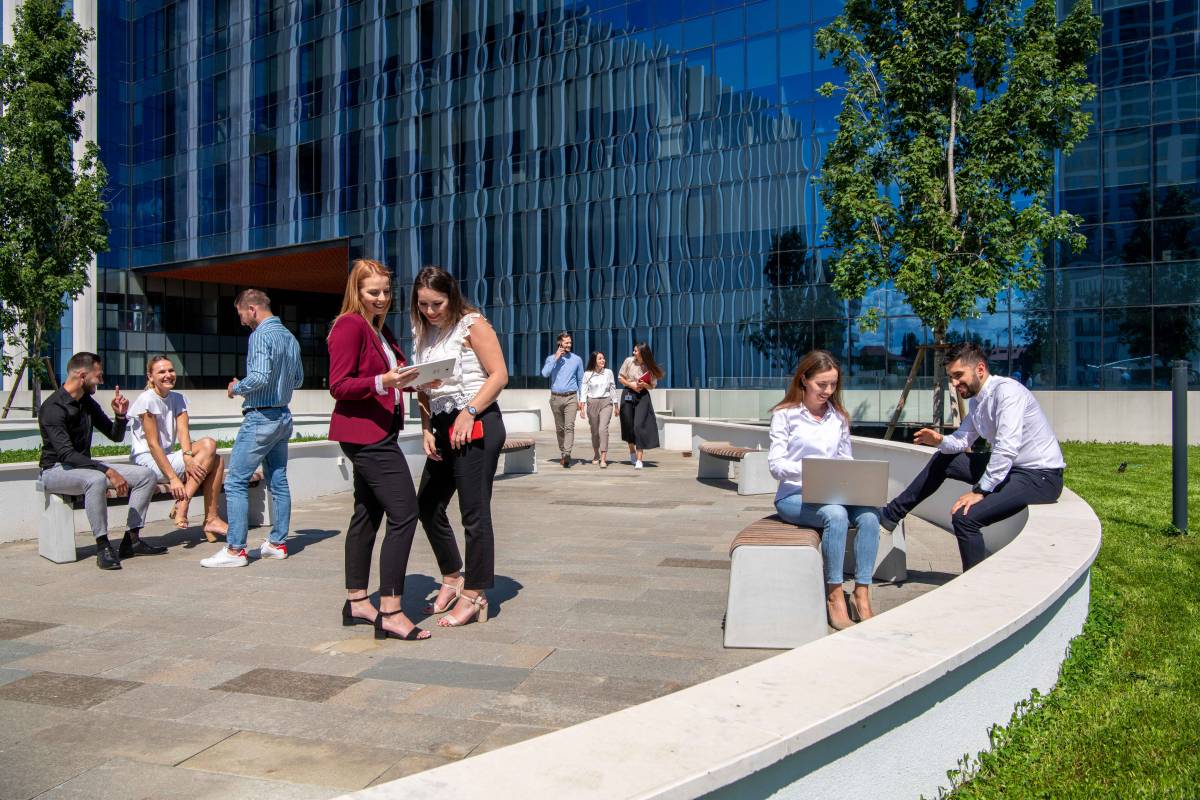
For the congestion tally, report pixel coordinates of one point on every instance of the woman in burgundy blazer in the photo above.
(366, 377)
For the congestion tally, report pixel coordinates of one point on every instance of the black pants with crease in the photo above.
(383, 486)
(468, 471)
(1020, 488)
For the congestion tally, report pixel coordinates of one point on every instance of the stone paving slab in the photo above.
(614, 598)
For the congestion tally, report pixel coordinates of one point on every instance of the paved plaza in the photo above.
(166, 680)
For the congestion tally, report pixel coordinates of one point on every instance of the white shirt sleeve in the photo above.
(613, 391)
(961, 440)
(843, 445)
(781, 467)
(1010, 418)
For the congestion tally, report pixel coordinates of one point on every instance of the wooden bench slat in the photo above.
(516, 444)
(774, 531)
(725, 450)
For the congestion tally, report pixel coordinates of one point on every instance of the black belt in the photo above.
(248, 409)
(564, 394)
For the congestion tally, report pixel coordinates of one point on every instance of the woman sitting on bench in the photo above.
(811, 422)
(159, 418)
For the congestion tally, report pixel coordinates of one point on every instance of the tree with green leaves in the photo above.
(940, 175)
(51, 217)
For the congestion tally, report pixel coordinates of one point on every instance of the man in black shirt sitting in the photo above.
(66, 420)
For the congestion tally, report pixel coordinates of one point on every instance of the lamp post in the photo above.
(1179, 444)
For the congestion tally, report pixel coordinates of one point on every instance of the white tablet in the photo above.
(430, 371)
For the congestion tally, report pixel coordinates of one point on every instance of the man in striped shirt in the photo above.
(273, 371)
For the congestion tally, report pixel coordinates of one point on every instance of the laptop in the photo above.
(845, 482)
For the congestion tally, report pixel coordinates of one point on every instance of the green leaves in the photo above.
(940, 173)
(51, 220)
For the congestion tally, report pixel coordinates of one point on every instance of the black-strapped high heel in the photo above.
(348, 617)
(383, 633)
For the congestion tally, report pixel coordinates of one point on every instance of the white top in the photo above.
(469, 374)
(599, 384)
(391, 360)
(633, 371)
(1007, 415)
(165, 411)
(797, 434)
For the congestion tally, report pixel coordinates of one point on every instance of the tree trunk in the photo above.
(34, 360)
(939, 379)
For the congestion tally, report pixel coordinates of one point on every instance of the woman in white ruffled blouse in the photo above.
(599, 392)
(463, 432)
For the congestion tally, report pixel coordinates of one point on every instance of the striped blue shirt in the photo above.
(273, 366)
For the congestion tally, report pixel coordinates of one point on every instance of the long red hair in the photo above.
(360, 270)
(814, 363)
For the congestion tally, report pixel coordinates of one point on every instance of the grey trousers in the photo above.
(93, 484)
(600, 414)
(564, 408)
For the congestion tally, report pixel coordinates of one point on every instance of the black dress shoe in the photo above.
(106, 558)
(566, 462)
(140, 548)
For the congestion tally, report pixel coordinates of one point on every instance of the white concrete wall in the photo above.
(883, 709)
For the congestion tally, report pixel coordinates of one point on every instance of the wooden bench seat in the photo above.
(520, 457)
(56, 529)
(777, 582)
(754, 476)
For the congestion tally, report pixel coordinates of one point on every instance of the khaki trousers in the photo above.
(599, 414)
(564, 408)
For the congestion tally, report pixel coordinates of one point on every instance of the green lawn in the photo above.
(99, 451)
(1124, 720)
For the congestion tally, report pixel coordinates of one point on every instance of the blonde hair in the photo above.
(360, 270)
(154, 359)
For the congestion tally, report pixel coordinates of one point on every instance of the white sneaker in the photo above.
(269, 550)
(637, 465)
(223, 558)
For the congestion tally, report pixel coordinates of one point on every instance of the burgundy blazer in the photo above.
(360, 414)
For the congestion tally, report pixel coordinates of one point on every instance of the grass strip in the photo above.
(104, 450)
(1124, 719)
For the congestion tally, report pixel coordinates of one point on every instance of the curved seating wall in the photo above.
(881, 710)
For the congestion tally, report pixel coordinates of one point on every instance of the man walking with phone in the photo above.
(66, 421)
(565, 371)
(273, 372)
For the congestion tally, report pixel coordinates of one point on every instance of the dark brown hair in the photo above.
(591, 365)
(442, 282)
(968, 353)
(814, 363)
(648, 362)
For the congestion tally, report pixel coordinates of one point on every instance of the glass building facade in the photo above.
(623, 170)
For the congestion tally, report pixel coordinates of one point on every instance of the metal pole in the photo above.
(1179, 444)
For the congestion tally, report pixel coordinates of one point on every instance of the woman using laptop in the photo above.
(811, 422)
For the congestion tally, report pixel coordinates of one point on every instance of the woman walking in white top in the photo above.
(600, 393)
(159, 418)
(811, 421)
(463, 432)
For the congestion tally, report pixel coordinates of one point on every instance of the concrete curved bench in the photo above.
(881, 710)
(754, 476)
(520, 457)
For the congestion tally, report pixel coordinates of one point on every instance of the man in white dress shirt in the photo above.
(1024, 467)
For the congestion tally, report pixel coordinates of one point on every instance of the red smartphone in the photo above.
(476, 431)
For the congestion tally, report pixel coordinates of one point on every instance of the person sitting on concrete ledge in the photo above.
(1024, 467)
(810, 421)
(159, 419)
(66, 420)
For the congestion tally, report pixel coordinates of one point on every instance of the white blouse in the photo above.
(796, 434)
(599, 384)
(469, 374)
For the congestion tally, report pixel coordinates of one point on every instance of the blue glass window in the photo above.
(1175, 56)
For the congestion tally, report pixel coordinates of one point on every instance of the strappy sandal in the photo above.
(433, 607)
(413, 635)
(478, 614)
(180, 520)
(348, 617)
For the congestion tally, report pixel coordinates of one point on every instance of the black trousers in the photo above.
(1021, 488)
(382, 486)
(469, 471)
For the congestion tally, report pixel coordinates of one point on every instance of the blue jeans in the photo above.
(262, 439)
(834, 522)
